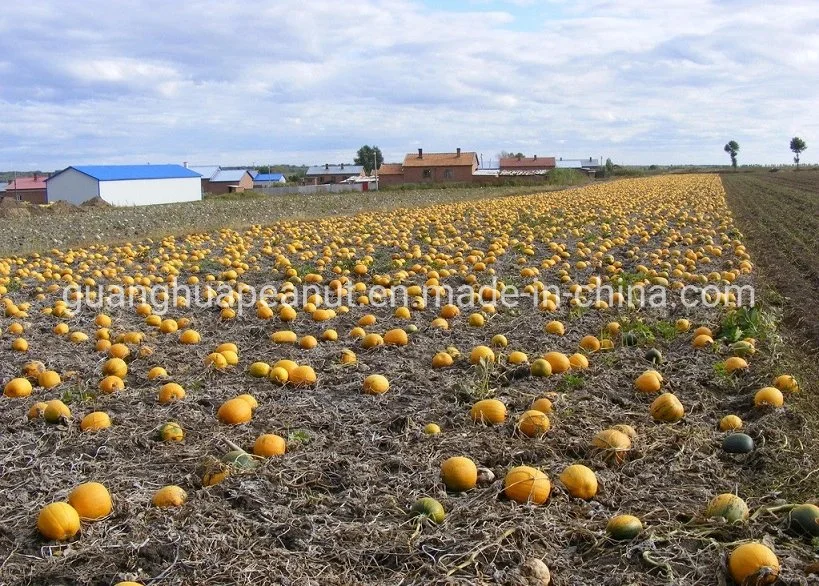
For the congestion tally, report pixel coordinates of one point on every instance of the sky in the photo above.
(272, 81)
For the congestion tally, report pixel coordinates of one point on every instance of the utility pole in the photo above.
(375, 167)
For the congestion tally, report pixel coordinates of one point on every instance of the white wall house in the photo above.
(125, 185)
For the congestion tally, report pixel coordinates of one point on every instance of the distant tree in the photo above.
(797, 146)
(369, 157)
(609, 169)
(732, 148)
(510, 155)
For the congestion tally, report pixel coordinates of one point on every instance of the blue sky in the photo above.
(230, 82)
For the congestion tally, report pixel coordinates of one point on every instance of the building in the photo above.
(264, 179)
(589, 164)
(526, 165)
(206, 171)
(390, 174)
(440, 167)
(219, 181)
(3, 185)
(324, 174)
(30, 189)
(125, 185)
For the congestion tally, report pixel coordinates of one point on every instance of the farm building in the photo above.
(390, 174)
(263, 179)
(324, 174)
(590, 163)
(218, 181)
(440, 167)
(30, 189)
(526, 165)
(125, 185)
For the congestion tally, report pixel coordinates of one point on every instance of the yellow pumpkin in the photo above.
(91, 500)
(540, 367)
(37, 410)
(667, 409)
(558, 361)
(734, 363)
(728, 506)
(235, 412)
(170, 392)
(524, 484)
(56, 411)
(376, 384)
(115, 367)
(459, 473)
(516, 357)
(278, 375)
(372, 340)
(259, 370)
(491, 411)
(543, 404)
(786, 383)
(555, 327)
(479, 353)
(95, 421)
(614, 444)
(578, 361)
(171, 432)
(190, 337)
(579, 481)
(58, 521)
(396, 337)
(111, 384)
(648, 382)
(302, 376)
(249, 399)
(169, 496)
(590, 343)
(533, 423)
(216, 360)
(753, 563)
(269, 444)
(730, 423)
(769, 397)
(441, 360)
(48, 379)
(17, 388)
(432, 429)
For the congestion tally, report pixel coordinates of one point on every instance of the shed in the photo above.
(125, 185)
(30, 189)
(262, 179)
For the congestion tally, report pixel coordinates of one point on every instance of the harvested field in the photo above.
(335, 508)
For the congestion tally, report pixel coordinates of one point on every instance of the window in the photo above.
(427, 173)
(449, 174)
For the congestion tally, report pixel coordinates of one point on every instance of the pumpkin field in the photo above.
(392, 414)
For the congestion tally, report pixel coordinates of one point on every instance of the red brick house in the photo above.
(30, 189)
(534, 163)
(440, 167)
(390, 174)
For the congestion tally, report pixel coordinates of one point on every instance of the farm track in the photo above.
(779, 217)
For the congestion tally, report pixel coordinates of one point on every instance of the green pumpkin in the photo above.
(624, 527)
(738, 443)
(430, 508)
(629, 339)
(240, 459)
(728, 506)
(411, 329)
(805, 520)
(654, 356)
(171, 432)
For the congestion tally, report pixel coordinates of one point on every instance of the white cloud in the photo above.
(217, 81)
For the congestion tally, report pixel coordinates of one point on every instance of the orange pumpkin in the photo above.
(533, 423)
(667, 409)
(235, 412)
(269, 444)
(91, 500)
(753, 563)
(169, 496)
(524, 484)
(490, 411)
(302, 376)
(579, 481)
(58, 521)
(459, 473)
(376, 384)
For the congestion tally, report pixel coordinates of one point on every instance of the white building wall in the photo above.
(72, 186)
(139, 192)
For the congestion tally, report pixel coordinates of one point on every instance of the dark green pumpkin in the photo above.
(653, 355)
(430, 508)
(624, 527)
(728, 506)
(804, 519)
(240, 459)
(738, 443)
(629, 339)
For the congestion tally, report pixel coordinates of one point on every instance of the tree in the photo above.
(609, 168)
(367, 156)
(732, 148)
(797, 146)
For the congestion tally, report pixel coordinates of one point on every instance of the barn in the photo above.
(125, 185)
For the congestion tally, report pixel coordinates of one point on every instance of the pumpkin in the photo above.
(734, 363)
(259, 370)
(805, 519)
(37, 410)
(667, 409)
(19, 345)
(287, 365)
(738, 443)
(555, 328)
(432, 429)
(579, 481)
(629, 338)
(524, 484)
(753, 563)
(171, 432)
(590, 343)
(119, 350)
(95, 421)
(429, 508)
(269, 444)
(250, 399)
(287, 313)
(682, 325)
(227, 347)
(169, 496)
(239, 459)
(786, 383)
(17, 388)
(516, 357)
(58, 521)
(578, 361)
(441, 360)
(629, 431)
(111, 384)
(216, 360)
(329, 335)
(308, 342)
(533, 423)
(376, 384)
(302, 376)
(170, 392)
(703, 331)
(235, 412)
(459, 473)
(115, 367)
(500, 341)
(540, 367)
(348, 357)
(730, 423)
(56, 411)
(490, 411)
(624, 527)
(543, 404)
(278, 375)
(189, 337)
(372, 341)
(396, 337)
(558, 361)
(479, 353)
(728, 506)
(653, 355)
(769, 397)
(49, 379)
(33, 369)
(647, 383)
(702, 341)
(168, 326)
(613, 443)
(91, 500)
